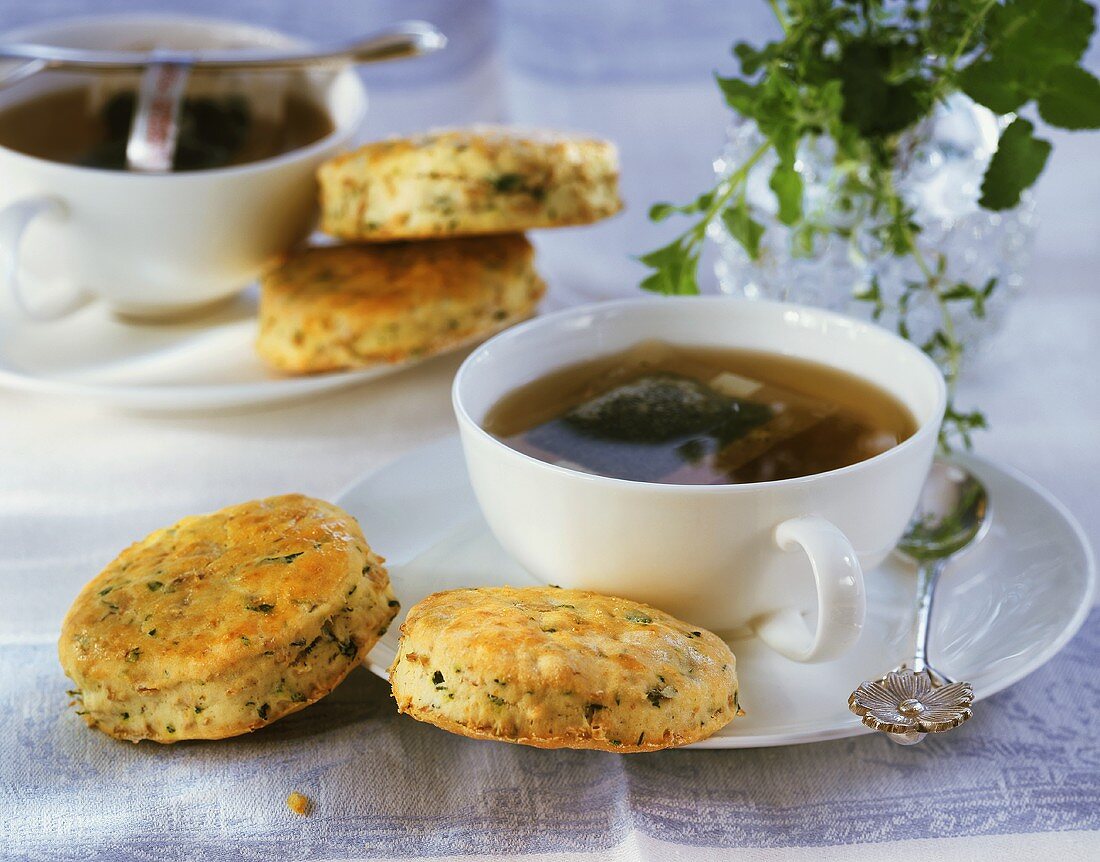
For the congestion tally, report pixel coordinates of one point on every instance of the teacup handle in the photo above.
(841, 599)
(15, 218)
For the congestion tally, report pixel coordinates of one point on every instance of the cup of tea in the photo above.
(73, 226)
(738, 464)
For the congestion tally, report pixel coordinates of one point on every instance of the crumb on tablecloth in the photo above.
(299, 803)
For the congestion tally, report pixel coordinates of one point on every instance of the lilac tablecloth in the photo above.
(78, 482)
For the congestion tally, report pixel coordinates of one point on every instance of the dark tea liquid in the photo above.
(688, 415)
(215, 132)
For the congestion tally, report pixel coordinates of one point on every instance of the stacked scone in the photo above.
(434, 253)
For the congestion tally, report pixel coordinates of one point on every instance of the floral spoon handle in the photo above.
(908, 703)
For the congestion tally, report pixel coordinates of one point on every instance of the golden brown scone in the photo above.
(353, 306)
(472, 181)
(223, 623)
(560, 668)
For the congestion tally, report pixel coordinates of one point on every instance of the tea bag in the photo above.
(218, 119)
(790, 414)
(680, 429)
(652, 409)
(657, 427)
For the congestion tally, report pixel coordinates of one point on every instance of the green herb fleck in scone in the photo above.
(352, 306)
(226, 622)
(559, 668)
(462, 182)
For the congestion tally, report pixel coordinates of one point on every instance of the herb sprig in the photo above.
(863, 72)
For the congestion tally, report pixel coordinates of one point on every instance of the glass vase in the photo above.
(938, 172)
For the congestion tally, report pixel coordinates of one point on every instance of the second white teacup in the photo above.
(767, 557)
(154, 245)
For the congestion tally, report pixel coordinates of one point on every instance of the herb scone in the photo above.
(558, 668)
(226, 622)
(337, 307)
(463, 182)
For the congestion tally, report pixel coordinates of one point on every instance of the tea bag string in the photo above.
(155, 129)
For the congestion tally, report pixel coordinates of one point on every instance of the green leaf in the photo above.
(743, 228)
(1019, 160)
(740, 95)
(655, 283)
(751, 58)
(961, 290)
(786, 182)
(675, 266)
(1037, 35)
(685, 282)
(993, 84)
(950, 21)
(872, 294)
(785, 140)
(958, 425)
(1072, 99)
(703, 202)
(661, 211)
(664, 256)
(977, 307)
(875, 102)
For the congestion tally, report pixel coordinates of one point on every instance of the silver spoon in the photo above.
(21, 71)
(154, 132)
(155, 128)
(406, 39)
(912, 701)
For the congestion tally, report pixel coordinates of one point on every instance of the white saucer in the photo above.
(1003, 610)
(203, 363)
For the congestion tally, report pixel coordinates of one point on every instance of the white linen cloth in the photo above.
(78, 482)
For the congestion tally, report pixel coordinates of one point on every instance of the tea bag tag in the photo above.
(154, 133)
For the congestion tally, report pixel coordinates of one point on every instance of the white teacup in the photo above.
(734, 558)
(154, 245)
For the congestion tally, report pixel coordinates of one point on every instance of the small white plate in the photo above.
(1002, 610)
(204, 363)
